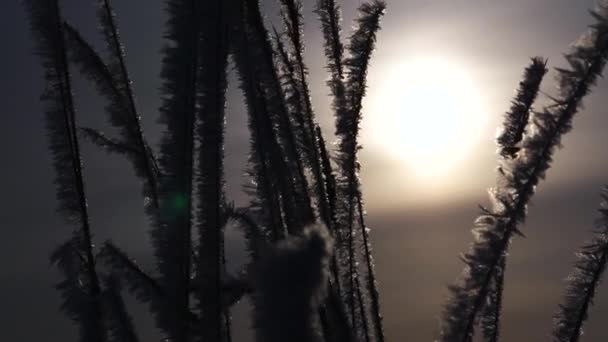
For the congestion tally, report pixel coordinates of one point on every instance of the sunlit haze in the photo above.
(428, 114)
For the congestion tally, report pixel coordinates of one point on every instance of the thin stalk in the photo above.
(510, 226)
(141, 141)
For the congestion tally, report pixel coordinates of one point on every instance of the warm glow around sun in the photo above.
(427, 113)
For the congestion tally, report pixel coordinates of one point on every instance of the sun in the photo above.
(427, 113)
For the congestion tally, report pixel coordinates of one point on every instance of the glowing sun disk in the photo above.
(427, 113)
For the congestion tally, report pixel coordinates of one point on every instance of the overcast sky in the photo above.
(419, 225)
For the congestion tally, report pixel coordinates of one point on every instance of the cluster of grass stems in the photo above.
(310, 273)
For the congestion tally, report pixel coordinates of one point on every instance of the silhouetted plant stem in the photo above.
(510, 226)
(347, 126)
(212, 89)
(143, 285)
(361, 304)
(372, 286)
(227, 319)
(588, 295)
(492, 310)
(495, 230)
(107, 16)
(70, 113)
(583, 281)
(173, 238)
(330, 186)
(292, 91)
(266, 159)
(509, 141)
(329, 16)
(324, 181)
(518, 116)
(292, 18)
(338, 318)
(108, 83)
(302, 206)
(119, 322)
(81, 288)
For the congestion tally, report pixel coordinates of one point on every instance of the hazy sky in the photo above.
(420, 224)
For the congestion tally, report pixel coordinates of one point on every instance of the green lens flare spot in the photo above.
(179, 203)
